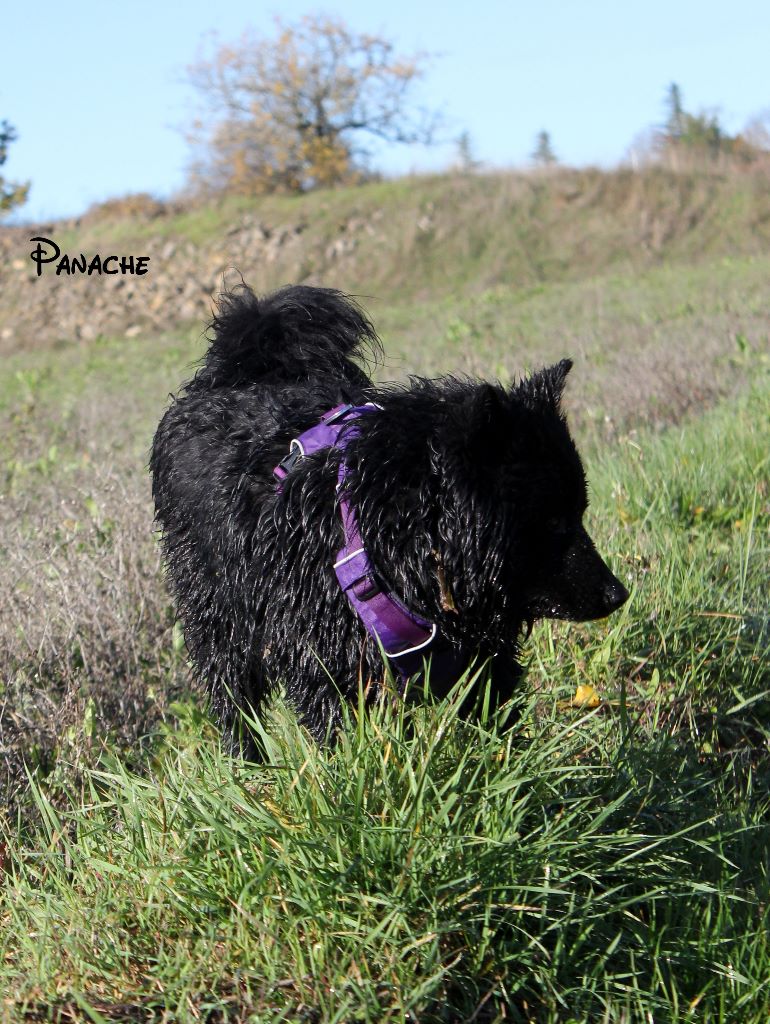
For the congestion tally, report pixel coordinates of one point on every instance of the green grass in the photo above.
(586, 865)
(429, 871)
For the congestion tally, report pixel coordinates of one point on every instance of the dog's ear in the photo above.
(547, 385)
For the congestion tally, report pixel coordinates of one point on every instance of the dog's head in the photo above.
(493, 499)
(521, 492)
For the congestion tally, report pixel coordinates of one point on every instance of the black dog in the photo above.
(454, 506)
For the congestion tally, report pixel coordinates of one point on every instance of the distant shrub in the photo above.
(136, 205)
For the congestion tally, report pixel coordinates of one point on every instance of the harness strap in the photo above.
(325, 434)
(406, 638)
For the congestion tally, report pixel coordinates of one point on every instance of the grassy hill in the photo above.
(606, 864)
(629, 273)
(428, 236)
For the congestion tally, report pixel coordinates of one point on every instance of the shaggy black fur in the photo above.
(470, 497)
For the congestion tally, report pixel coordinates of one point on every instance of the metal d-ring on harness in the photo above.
(407, 639)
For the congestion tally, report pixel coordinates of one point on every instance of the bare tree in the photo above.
(290, 113)
(757, 132)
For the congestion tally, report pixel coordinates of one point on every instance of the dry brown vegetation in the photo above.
(87, 649)
(85, 644)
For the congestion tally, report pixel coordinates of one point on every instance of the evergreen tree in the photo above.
(676, 117)
(695, 133)
(466, 161)
(543, 154)
(11, 193)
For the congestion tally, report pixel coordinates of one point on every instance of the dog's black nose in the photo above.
(614, 595)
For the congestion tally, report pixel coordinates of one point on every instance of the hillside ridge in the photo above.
(415, 238)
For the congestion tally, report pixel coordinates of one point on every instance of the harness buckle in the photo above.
(336, 414)
(289, 461)
(366, 588)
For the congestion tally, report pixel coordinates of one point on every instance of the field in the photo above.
(601, 863)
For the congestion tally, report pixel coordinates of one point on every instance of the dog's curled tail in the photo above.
(290, 335)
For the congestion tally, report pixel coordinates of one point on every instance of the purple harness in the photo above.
(406, 638)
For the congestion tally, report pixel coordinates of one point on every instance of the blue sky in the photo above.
(97, 94)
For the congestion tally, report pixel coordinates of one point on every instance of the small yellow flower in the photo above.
(586, 697)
